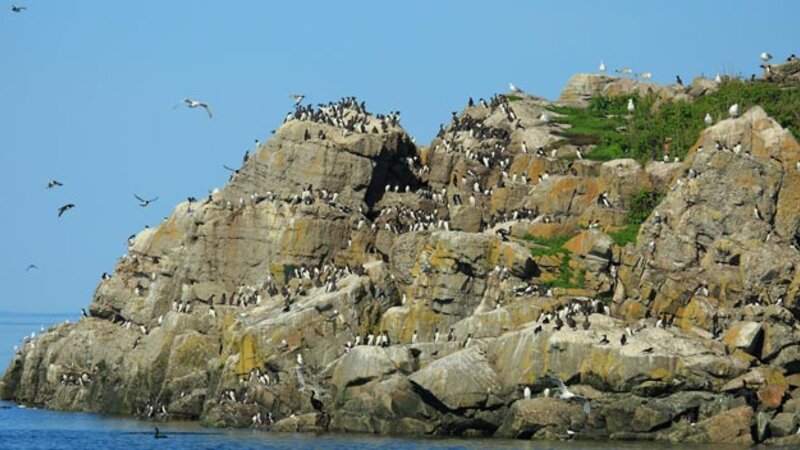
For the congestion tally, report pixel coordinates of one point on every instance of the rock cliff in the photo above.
(346, 279)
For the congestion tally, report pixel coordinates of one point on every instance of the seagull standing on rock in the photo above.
(734, 110)
(708, 120)
(631, 106)
(602, 68)
(514, 88)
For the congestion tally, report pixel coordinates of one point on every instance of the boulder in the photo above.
(461, 380)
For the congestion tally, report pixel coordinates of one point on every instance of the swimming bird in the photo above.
(31, 267)
(159, 435)
(566, 394)
(708, 120)
(734, 110)
(18, 9)
(297, 98)
(142, 202)
(602, 68)
(631, 106)
(53, 183)
(514, 88)
(766, 57)
(198, 104)
(65, 208)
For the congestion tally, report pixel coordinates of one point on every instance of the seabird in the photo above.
(526, 393)
(158, 434)
(604, 340)
(31, 267)
(734, 110)
(84, 313)
(299, 359)
(315, 402)
(414, 337)
(18, 9)
(514, 88)
(623, 340)
(631, 106)
(766, 57)
(53, 183)
(142, 202)
(297, 98)
(624, 71)
(708, 119)
(566, 394)
(602, 68)
(678, 80)
(65, 208)
(757, 213)
(195, 104)
(718, 79)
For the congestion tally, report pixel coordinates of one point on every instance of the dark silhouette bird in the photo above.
(679, 80)
(159, 435)
(142, 202)
(18, 9)
(53, 183)
(65, 208)
(315, 402)
(31, 267)
(648, 350)
(623, 340)
(604, 340)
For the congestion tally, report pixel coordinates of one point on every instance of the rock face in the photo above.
(346, 280)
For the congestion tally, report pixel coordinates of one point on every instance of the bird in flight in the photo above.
(31, 267)
(54, 183)
(297, 98)
(17, 9)
(65, 208)
(197, 104)
(514, 88)
(142, 202)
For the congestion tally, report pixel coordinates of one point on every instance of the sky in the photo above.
(87, 90)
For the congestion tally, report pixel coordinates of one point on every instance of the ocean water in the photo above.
(34, 429)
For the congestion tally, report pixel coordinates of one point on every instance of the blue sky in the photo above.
(87, 90)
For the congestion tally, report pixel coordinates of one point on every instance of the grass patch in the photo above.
(606, 123)
(548, 246)
(513, 98)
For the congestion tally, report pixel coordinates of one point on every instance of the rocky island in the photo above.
(347, 279)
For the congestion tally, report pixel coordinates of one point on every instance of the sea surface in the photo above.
(34, 429)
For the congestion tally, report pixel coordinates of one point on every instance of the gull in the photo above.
(65, 208)
(766, 57)
(514, 88)
(624, 71)
(53, 183)
(142, 202)
(708, 120)
(734, 110)
(645, 75)
(631, 106)
(31, 267)
(566, 394)
(602, 68)
(297, 98)
(718, 79)
(197, 104)
(18, 9)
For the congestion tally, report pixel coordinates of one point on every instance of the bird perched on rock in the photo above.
(198, 104)
(526, 393)
(708, 120)
(766, 57)
(515, 89)
(678, 80)
(602, 68)
(631, 106)
(297, 98)
(734, 110)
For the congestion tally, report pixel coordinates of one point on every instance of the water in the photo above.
(33, 429)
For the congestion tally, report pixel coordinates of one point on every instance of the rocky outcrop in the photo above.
(347, 280)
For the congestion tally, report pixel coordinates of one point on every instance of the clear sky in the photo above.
(87, 90)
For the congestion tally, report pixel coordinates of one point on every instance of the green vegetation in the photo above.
(548, 246)
(513, 98)
(552, 247)
(607, 124)
(639, 209)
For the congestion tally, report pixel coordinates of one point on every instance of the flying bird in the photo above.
(514, 88)
(142, 202)
(18, 9)
(297, 98)
(197, 104)
(54, 183)
(65, 208)
(766, 57)
(566, 394)
(31, 267)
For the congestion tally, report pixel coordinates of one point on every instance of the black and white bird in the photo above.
(198, 104)
(297, 98)
(18, 9)
(766, 57)
(515, 89)
(733, 111)
(53, 183)
(65, 208)
(143, 202)
(566, 394)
